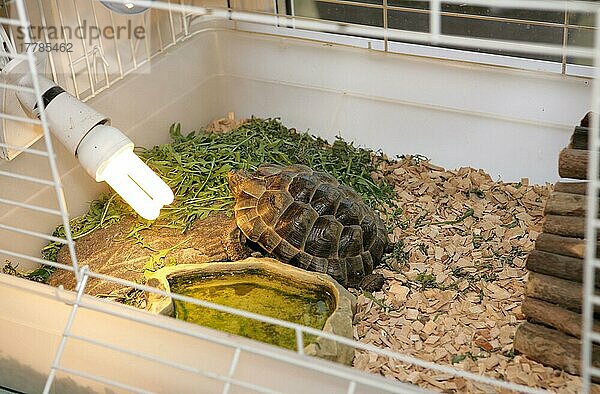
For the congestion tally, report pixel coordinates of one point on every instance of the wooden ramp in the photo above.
(554, 292)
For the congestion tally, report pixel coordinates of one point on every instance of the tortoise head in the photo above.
(240, 181)
(236, 180)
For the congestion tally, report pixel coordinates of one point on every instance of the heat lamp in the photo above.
(126, 7)
(103, 151)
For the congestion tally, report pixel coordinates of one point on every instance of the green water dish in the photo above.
(263, 286)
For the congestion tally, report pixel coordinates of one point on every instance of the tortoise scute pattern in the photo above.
(307, 219)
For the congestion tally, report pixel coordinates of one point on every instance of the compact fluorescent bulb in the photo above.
(139, 186)
(107, 155)
(142, 191)
(103, 151)
(126, 164)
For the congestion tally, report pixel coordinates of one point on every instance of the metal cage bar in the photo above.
(588, 335)
(386, 34)
(23, 18)
(434, 36)
(82, 279)
(296, 327)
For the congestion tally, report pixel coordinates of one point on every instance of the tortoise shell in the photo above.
(307, 219)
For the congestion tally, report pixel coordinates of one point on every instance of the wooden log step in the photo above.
(579, 138)
(569, 268)
(564, 293)
(552, 243)
(572, 163)
(571, 187)
(585, 121)
(542, 312)
(552, 347)
(566, 226)
(566, 204)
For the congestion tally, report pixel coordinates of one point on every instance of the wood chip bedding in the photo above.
(456, 279)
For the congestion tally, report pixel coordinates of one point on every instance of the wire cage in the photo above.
(84, 343)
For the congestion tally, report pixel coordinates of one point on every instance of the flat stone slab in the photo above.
(111, 252)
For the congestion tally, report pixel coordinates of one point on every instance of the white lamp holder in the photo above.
(85, 132)
(103, 151)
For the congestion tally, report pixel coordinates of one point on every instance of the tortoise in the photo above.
(308, 219)
(299, 216)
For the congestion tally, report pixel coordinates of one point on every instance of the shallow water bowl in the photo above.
(264, 286)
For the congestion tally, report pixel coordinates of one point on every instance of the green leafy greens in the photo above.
(195, 166)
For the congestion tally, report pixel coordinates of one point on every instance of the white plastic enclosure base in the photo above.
(31, 324)
(510, 123)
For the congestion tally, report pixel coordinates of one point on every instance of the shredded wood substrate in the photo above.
(455, 282)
